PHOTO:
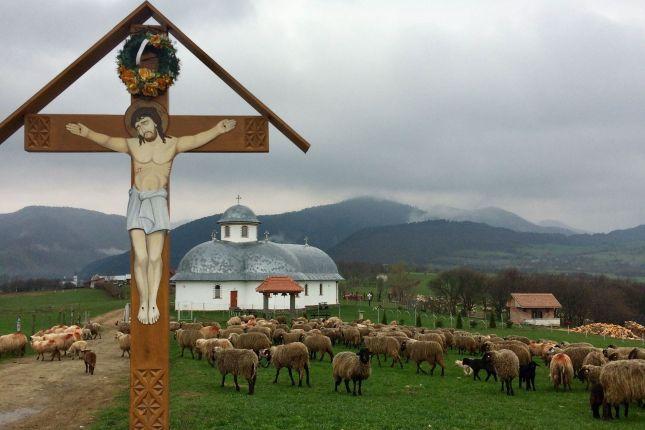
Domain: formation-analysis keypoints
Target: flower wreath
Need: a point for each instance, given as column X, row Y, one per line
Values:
column 142, row 80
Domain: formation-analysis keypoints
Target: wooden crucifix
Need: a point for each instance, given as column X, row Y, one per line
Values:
column 152, row 138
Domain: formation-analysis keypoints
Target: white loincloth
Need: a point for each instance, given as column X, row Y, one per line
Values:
column 148, row 210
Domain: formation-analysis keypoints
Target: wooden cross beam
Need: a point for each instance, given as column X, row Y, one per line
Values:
column 149, row 363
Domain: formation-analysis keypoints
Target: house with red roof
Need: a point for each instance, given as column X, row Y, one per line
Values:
column 534, row 309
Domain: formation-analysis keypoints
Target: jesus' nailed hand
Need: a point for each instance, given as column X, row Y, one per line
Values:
column 152, row 154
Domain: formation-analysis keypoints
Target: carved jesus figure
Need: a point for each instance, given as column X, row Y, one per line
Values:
column 152, row 153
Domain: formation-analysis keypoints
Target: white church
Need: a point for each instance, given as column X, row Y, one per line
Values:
column 238, row 271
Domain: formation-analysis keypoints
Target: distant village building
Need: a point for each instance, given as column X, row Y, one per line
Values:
column 533, row 309
column 241, row 272
column 108, row 278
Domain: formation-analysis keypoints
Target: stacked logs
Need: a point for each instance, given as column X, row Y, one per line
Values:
column 636, row 328
column 609, row 330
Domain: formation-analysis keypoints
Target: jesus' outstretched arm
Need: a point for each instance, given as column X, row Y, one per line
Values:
column 118, row 144
column 188, row 143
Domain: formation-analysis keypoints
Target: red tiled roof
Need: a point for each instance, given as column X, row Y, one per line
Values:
column 537, row 300
column 279, row 284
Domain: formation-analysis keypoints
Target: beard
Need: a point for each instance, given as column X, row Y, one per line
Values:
column 149, row 136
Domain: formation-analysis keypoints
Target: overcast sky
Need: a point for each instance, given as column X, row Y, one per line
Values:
column 534, row 107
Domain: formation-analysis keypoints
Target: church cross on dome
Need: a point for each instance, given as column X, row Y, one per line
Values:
column 238, row 198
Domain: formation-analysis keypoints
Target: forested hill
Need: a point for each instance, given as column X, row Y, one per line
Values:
column 444, row 244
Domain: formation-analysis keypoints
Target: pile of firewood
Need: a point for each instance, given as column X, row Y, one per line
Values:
column 636, row 328
column 609, row 330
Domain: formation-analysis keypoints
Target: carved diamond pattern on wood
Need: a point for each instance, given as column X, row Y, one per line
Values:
column 255, row 132
column 38, row 131
column 148, row 391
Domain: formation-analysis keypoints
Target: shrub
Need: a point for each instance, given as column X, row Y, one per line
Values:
column 491, row 321
column 509, row 324
column 418, row 321
column 460, row 322
column 438, row 323
column 473, row 323
column 384, row 317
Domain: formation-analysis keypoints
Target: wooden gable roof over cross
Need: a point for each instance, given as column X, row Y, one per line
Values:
column 106, row 44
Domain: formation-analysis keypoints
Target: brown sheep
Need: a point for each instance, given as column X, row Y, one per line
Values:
column 428, row 351
column 242, row 362
column 292, row 337
column 519, row 348
column 578, row 355
column 348, row 366
column 466, row 343
column 225, row 333
column 204, row 346
column 89, row 358
column 387, row 345
column 623, row 382
column 561, row 371
column 434, row 337
column 253, row 341
column 319, row 343
column 637, row 354
column 260, row 329
column 123, row 339
column 123, row 327
column 210, row 331
column 293, row 356
column 506, row 365
column 186, row 338
column 351, row 336
column 15, row 343
column 591, row 374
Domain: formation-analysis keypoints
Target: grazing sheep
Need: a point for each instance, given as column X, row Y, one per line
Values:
column 637, row 354
column 89, row 358
column 561, row 371
column 596, row 397
column 186, row 338
column 525, row 340
column 527, row 374
column 209, row 332
column 351, row 336
column 349, row 366
column 578, row 355
column 387, row 345
column 434, row 337
column 293, row 356
column 292, row 337
column 15, row 343
column 278, row 333
column 234, row 321
column 203, row 347
column 319, row 343
column 76, row 348
column 477, row 364
column 242, row 362
column 174, row 325
column 86, row 334
column 43, row 346
column 623, row 382
column 95, row 329
column 123, row 339
column 519, row 348
column 591, row 374
column 224, row 334
column 465, row 343
column 333, row 322
column 428, row 351
column 259, row 329
column 506, row 365
column 450, row 340
column 254, row 341
column 123, row 327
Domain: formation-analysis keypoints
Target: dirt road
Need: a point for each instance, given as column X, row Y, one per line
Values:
column 59, row 395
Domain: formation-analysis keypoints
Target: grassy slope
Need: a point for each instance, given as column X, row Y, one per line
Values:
column 394, row 398
column 48, row 304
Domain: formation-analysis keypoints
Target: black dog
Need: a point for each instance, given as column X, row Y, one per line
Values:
column 478, row 364
column 527, row 374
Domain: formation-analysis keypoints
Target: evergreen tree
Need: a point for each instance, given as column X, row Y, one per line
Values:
column 460, row 323
column 418, row 322
column 492, row 323
column 384, row 318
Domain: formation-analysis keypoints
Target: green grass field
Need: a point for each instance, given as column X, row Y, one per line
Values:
column 393, row 398
column 49, row 306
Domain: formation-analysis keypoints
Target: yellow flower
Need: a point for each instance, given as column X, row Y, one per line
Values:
column 155, row 40
column 150, row 89
column 145, row 73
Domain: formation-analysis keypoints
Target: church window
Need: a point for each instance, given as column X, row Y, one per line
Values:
column 217, row 292
column 306, row 290
column 320, row 290
column 245, row 231
column 227, row 231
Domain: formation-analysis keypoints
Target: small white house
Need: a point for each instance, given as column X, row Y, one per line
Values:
column 224, row 274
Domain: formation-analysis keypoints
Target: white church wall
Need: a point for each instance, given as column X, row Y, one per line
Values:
column 199, row 295
column 236, row 233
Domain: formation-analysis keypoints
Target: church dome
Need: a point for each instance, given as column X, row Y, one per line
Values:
column 239, row 214
column 255, row 261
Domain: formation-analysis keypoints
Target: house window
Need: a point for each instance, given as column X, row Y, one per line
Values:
column 245, row 231
column 536, row 314
column 320, row 290
column 227, row 231
column 306, row 290
column 217, row 292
